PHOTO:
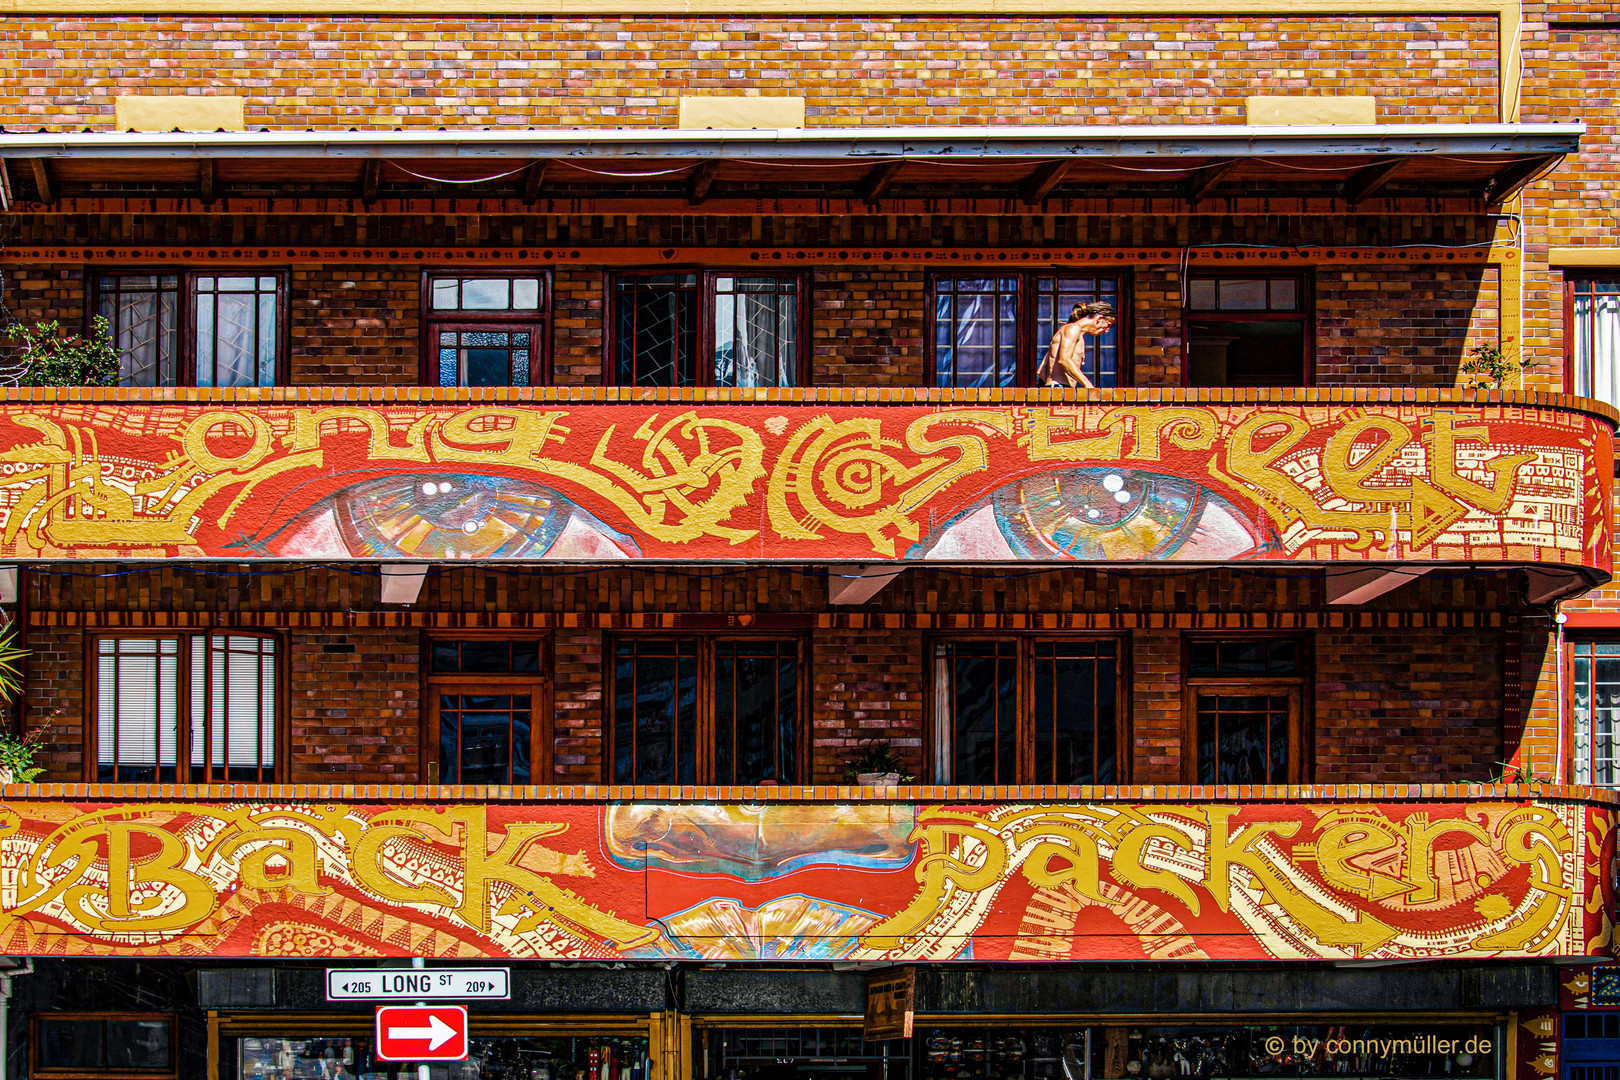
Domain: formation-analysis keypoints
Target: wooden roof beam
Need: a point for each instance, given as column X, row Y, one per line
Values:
column 876, row 182
column 1504, row 184
column 370, row 179
column 534, row 180
column 205, row 179
column 1204, row 181
column 42, row 180
column 697, row 188
column 1366, row 182
column 1044, row 179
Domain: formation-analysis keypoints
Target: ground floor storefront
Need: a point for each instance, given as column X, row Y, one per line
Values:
column 99, row 1019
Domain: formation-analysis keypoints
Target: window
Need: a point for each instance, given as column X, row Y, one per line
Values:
column 1595, row 678
column 994, row 331
column 489, row 330
column 707, row 711
column 1592, row 338
column 751, row 325
column 490, row 703
column 103, row 1045
column 189, row 708
column 1253, row 330
column 1026, row 710
column 1242, row 714
column 196, row 328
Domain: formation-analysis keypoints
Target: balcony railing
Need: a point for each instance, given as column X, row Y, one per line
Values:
column 810, row 874
column 596, row 476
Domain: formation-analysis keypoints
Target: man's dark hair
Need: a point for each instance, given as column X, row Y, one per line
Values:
column 1091, row 310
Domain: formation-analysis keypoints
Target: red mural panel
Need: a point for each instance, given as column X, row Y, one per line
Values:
column 782, row 481
column 803, row 881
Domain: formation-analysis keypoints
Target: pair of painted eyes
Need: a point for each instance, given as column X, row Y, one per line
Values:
column 1081, row 514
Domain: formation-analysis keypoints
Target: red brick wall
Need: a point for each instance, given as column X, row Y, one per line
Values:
column 868, row 686
column 1402, row 327
column 53, row 695
column 377, row 71
column 354, row 707
column 579, row 739
column 355, row 325
column 867, row 327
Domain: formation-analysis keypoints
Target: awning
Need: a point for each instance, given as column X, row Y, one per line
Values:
column 1028, row 165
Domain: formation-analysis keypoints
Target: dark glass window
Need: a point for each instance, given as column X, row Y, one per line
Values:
column 113, row 1045
column 656, row 329
column 486, row 657
column 1075, row 741
column 143, row 316
column 1244, row 656
column 975, row 331
column 1243, row 739
column 1247, row 331
column 655, row 699
column 487, row 693
column 977, row 684
column 756, row 711
column 1243, row 719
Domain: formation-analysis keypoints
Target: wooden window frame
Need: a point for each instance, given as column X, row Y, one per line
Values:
column 1573, row 279
column 1572, row 643
column 1306, row 315
column 38, row 1070
column 541, row 687
column 704, row 719
column 1301, row 734
column 1024, row 706
column 538, row 322
column 186, row 317
column 1028, row 347
column 803, row 357
column 92, row 699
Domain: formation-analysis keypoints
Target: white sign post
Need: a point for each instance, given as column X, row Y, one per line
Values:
column 418, row 984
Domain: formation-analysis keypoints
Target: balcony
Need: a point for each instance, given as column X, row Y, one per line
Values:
column 1167, row 873
column 1136, row 477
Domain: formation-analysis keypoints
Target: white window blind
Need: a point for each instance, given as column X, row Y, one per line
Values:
column 1596, row 337
column 228, row 709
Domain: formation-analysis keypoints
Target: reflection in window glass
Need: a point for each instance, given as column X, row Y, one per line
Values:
column 756, row 711
column 1055, row 297
column 485, row 294
column 656, row 317
column 89, row 1045
column 1244, row 656
column 484, row 738
column 976, row 698
column 236, row 331
column 975, row 331
column 485, row 357
column 1075, row 737
column 1242, row 739
column 1237, row 294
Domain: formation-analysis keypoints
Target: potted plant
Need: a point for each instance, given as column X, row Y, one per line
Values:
column 1489, row 367
column 875, row 765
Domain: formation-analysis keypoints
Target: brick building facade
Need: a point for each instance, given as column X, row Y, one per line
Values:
column 518, row 577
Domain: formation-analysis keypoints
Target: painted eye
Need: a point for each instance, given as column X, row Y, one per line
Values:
column 452, row 516
column 1097, row 514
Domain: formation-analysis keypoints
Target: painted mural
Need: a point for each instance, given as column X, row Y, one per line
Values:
column 805, row 881
column 544, row 481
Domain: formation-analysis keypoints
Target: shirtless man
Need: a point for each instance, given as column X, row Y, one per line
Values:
column 1064, row 362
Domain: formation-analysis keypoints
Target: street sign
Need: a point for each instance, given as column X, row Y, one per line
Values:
column 418, row 984
column 421, row 1032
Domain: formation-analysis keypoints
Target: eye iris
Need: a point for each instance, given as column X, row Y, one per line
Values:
column 468, row 518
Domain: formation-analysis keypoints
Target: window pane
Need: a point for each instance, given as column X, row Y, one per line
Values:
column 71, row 1044
column 1284, row 294
column 978, row 691
column 655, row 712
column 1244, row 656
column 1596, row 679
column 1055, row 299
column 1074, row 733
column 242, row 703
column 446, row 294
column 1238, row 294
column 484, row 657
column 137, row 705
column 756, row 712
column 1596, row 332
column 754, row 335
column 1201, row 294
column 1243, row 739
column 975, row 332
column 525, row 294
column 656, row 339
column 141, row 311
column 486, row 294
column 237, row 331
column 138, row 1044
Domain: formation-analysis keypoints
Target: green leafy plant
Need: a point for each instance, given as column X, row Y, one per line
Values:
column 1489, row 366
column 17, row 754
column 1518, row 774
column 48, row 357
column 875, row 757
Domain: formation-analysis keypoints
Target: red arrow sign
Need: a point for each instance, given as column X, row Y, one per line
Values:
column 421, row 1033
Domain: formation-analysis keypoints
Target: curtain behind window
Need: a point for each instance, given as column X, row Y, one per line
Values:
column 1596, row 333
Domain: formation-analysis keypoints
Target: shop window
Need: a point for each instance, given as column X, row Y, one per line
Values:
column 776, row 1053
column 1461, row 1051
column 186, row 708
column 1005, row 1052
column 1595, row 689
column 1592, row 336
column 994, row 331
column 489, row 701
column 1026, row 710
column 195, row 328
column 487, row 330
column 1249, row 330
column 707, row 710
column 581, row 1055
column 749, row 326
column 106, row 1045
column 1242, row 714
